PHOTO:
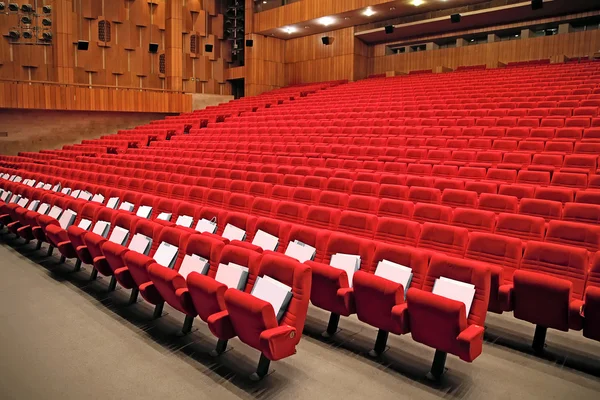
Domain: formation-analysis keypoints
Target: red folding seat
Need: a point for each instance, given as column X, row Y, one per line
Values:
column 578, row 122
column 559, row 147
column 444, row 238
column 574, row 234
column 585, row 111
column 503, row 256
column 505, row 145
column 419, row 194
column 364, row 204
column 591, row 309
column 496, row 132
column 529, row 122
column 487, row 159
column 585, row 213
column 173, row 288
column 457, row 332
column 471, row 173
column 587, row 148
column 457, row 144
column 560, row 112
column 569, row 133
column 394, row 167
column 330, row 287
column 379, row 300
column 305, row 195
column 365, row 188
column 444, row 184
column 459, row 198
column 241, row 221
column 482, row 187
column 293, row 180
column 474, row 220
column 531, row 146
column 315, row 182
column 518, row 191
column 419, row 169
column 292, row 212
column 273, row 227
column 263, row 207
column 498, row 203
column 333, row 199
column 446, row 171
column 420, row 181
column 399, row 231
column 432, row 213
column 563, row 195
column 323, row 217
column 569, row 180
column 388, row 179
column 357, row 223
column 480, row 144
column 343, row 174
column 472, row 131
column 548, row 288
column 580, row 163
column 503, row 122
column 588, row 196
column 521, row 226
column 534, row 177
column 217, row 198
column 280, row 192
column 546, row 162
column 260, row 189
column 395, row 208
column 503, row 175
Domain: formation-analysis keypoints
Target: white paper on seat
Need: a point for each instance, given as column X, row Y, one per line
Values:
column 12, row 178
column 232, row 275
column 39, row 185
column 119, row 235
column 67, row 219
column 300, row 251
column 164, row 216
column 5, row 195
column 5, row 176
column 25, row 182
column 98, row 198
column 102, row 227
column 55, row 212
column 17, row 179
column 140, row 243
column 75, row 193
column 57, row 187
column 126, row 206
column 274, row 292
column 348, row 262
column 85, row 224
column 15, row 198
column 205, row 225
column 232, row 232
column 43, row 209
column 455, row 290
column 31, row 182
column 48, row 186
column 23, row 201
column 66, row 190
column 33, row 206
column 265, row 241
column 185, row 220
column 85, row 195
column 395, row 272
column 193, row 263
column 143, row 211
column 113, row 202
column 166, row 254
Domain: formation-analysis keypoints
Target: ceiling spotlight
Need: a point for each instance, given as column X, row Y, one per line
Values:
column 307, row 27
column 289, row 30
column 2, row 6
column 47, row 9
column 517, row 35
column 27, row 8
column 26, row 20
column 368, row 12
column 47, row 22
column 264, row 1
column 346, row 18
column 417, row 3
column 13, row 7
column 326, row 21
column 47, row 36
column 27, row 35
column 392, row 8
column 14, row 34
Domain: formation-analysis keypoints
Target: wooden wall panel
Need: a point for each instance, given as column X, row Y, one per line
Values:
column 264, row 64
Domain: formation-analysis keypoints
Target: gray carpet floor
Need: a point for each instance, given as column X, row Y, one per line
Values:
column 64, row 337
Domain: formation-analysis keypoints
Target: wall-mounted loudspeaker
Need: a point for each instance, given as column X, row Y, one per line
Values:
column 249, row 43
column 455, row 18
column 153, row 48
column 389, row 29
column 83, row 45
column 326, row 40
column 208, row 48
column 537, row 4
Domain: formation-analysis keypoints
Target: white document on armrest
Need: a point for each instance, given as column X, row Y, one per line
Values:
column 185, row 220
column 143, row 211
column 126, row 206
column 232, row 275
column 98, row 198
column 43, row 209
column 15, row 198
column 39, row 185
column 67, row 219
column 113, row 202
column 193, row 263
column 300, row 251
column 85, row 195
column 48, row 186
column 23, row 201
column 164, row 216
column 75, row 193
column 265, row 241
column 101, row 228
column 395, row 272
column 33, row 206
column 348, row 262
column 12, row 178
column 166, row 254
column 5, row 195
column 57, row 187
column 66, row 190
column 31, row 182
column 205, row 225
column 274, row 292
column 455, row 290
column 232, row 232
column 55, row 212
column 119, row 235
column 18, row 179
column 140, row 244
column 85, row 224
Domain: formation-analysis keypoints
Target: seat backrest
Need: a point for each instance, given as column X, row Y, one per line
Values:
column 432, row 213
column 395, row 208
column 241, row 256
column 333, row 199
column 574, row 234
column 207, row 247
column 563, row 262
column 496, row 249
column 399, row 231
column 474, row 220
column 346, row 244
column 467, row 271
column 410, row 257
column 317, row 238
column 444, row 238
column 357, row 223
column 365, row 204
column 273, row 227
column 292, row 212
column 581, row 212
column 459, row 198
column 521, row 226
column 498, row 202
column 323, row 217
column 562, row 195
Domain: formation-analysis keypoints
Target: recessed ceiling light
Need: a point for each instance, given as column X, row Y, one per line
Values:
column 264, row 1
column 346, row 18
column 307, row 27
column 392, row 8
column 368, row 12
column 517, row 35
column 417, row 3
column 289, row 29
column 326, row 21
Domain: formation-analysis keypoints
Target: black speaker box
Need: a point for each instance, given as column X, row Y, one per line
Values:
column 326, row 40
column 83, row 45
column 249, row 43
column 153, row 47
column 537, row 4
column 208, row 48
column 455, row 18
column 389, row 29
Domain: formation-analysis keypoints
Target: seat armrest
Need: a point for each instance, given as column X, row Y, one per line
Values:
column 401, row 316
column 280, row 342
column 207, row 294
column 429, row 310
column 505, row 297
column 220, row 325
column 575, row 317
column 471, row 342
